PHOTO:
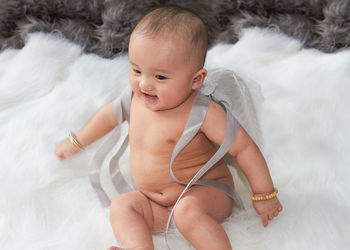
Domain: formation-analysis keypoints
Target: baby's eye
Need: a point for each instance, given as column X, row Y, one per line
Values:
column 159, row 77
column 137, row 71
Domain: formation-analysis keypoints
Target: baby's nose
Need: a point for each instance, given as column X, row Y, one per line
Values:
column 145, row 84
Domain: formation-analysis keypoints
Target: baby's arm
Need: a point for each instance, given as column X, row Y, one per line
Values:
column 253, row 165
column 102, row 122
column 249, row 159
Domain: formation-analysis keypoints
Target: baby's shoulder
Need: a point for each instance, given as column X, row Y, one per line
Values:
column 215, row 109
column 214, row 124
column 215, row 117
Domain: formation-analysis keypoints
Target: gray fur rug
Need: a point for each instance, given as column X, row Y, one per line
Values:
column 103, row 26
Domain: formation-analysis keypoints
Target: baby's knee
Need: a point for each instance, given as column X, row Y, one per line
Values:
column 187, row 212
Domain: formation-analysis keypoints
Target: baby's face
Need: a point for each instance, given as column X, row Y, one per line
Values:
column 161, row 71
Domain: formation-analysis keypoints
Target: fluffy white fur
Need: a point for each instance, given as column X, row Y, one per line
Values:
column 50, row 87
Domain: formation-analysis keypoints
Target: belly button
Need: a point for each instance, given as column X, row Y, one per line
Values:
column 170, row 141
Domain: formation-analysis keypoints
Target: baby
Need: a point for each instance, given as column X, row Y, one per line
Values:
column 167, row 52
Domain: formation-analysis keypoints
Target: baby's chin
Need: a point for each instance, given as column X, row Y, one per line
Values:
column 157, row 106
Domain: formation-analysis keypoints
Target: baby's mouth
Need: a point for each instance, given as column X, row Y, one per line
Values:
column 149, row 97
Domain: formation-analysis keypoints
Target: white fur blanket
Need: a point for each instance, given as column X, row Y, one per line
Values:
column 50, row 87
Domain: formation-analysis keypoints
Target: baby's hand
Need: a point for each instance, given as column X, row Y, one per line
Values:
column 267, row 209
column 65, row 149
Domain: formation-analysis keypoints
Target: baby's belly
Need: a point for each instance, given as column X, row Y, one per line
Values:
column 153, row 178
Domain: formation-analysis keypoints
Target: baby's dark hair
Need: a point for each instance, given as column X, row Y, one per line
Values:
column 180, row 22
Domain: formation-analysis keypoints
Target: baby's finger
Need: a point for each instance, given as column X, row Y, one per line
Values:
column 264, row 219
column 271, row 215
column 60, row 156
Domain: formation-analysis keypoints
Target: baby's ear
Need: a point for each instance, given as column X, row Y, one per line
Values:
column 199, row 78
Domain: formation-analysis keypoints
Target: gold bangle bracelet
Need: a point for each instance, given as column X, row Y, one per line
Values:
column 73, row 139
column 265, row 197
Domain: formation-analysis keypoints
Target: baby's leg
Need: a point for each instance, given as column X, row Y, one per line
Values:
column 198, row 216
column 133, row 221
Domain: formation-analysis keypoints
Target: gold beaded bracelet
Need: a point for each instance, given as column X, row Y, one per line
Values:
column 73, row 139
column 265, row 197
